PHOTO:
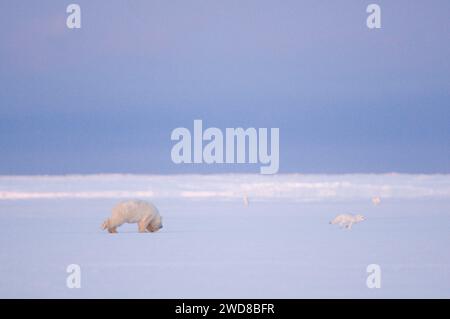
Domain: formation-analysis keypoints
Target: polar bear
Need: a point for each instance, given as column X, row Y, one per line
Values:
column 145, row 214
column 347, row 220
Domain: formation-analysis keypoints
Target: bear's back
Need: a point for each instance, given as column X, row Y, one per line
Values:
column 134, row 210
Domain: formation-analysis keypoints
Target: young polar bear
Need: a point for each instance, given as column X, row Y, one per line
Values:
column 347, row 220
column 145, row 214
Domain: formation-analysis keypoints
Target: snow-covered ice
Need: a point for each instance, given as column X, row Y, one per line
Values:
column 212, row 245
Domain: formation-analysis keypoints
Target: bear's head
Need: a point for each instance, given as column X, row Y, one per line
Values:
column 155, row 225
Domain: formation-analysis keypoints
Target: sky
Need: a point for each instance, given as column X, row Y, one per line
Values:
column 105, row 98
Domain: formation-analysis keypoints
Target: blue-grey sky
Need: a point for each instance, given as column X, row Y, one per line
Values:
column 106, row 97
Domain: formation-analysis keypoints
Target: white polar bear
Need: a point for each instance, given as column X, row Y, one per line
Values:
column 145, row 214
column 347, row 220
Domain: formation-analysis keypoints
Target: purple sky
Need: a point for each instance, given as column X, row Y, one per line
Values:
column 106, row 97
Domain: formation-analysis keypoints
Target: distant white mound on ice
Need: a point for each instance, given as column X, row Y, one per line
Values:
column 376, row 200
column 246, row 202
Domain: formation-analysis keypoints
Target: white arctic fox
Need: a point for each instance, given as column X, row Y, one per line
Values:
column 145, row 214
column 347, row 220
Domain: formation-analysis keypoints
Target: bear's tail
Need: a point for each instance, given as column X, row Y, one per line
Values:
column 105, row 224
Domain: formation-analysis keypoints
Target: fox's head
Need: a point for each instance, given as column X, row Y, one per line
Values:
column 360, row 218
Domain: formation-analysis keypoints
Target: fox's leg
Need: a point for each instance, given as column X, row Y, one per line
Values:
column 349, row 225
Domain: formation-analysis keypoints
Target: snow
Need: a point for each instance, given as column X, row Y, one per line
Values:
column 213, row 246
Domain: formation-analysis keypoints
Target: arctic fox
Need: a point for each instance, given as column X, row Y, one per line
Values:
column 347, row 220
column 145, row 214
